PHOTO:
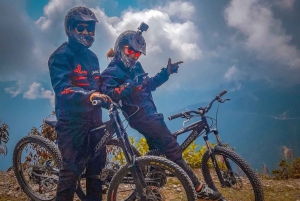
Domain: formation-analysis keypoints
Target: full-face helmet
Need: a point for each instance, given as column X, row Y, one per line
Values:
column 80, row 15
column 135, row 40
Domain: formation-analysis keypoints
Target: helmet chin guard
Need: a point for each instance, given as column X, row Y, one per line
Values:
column 85, row 41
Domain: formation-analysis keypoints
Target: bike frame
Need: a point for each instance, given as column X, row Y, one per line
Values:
column 116, row 123
column 128, row 152
column 122, row 136
column 197, row 129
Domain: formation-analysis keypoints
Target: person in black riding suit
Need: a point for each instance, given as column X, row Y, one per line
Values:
column 121, row 81
column 75, row 78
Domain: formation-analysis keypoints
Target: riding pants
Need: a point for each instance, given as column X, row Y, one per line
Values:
column 76, row 144
column 160, row 137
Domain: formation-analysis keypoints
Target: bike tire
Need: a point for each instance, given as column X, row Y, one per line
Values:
column 242, row 183
column 109, row 168
column 173, row 187
column 42, row 151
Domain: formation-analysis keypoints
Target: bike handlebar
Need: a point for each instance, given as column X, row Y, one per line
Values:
column 96, row 102
column 187, row 113
column 175, row 116
column 222, row 93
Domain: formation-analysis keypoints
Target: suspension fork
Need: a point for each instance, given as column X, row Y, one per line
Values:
column 219, row 141
column 215, row 131
column 228, row 166
column 134, row 168
column 211, row 151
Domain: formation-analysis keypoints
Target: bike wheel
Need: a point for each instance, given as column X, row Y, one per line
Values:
column 161, row 187
column 241, row 182
column 36, row 163
column 115, row 158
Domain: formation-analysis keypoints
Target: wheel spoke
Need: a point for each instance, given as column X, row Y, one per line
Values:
column 160, row 186
column 36, row 163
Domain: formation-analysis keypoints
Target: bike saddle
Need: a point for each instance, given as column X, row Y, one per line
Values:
column 51, row 120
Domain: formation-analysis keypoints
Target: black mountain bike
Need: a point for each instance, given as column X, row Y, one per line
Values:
column 222, row 168
column 36, row 162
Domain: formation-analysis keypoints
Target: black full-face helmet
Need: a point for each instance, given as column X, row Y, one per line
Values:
column 135, row 40
column 77, row 15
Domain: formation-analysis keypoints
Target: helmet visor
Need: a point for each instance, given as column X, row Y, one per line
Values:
column 129, row 50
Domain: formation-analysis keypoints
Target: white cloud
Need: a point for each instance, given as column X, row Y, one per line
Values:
column 36, row 91
column 182, row 10
column 285, row 4
column 264, row 34
column 234, row 76
column 231, row 74
column 288, row 3
column 52, row 11
column 14, row 90
column 165, row 37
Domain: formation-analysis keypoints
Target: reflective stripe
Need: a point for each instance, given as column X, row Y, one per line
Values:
column 83, row 84
column 81, row 77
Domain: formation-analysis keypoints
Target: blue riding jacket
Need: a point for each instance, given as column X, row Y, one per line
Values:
column 75, row 74
column 114, row 81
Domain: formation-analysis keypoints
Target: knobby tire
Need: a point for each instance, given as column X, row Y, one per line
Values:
column 177, row 187
column 238, row 189
column 23, row 174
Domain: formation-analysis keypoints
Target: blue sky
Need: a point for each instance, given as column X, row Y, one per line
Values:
column 241, row 46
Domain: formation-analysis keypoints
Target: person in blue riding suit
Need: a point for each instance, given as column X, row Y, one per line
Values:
column 121, row 81
column 75, row 78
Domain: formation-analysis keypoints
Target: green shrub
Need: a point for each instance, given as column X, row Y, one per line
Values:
column 288, row 169
column 192, row 155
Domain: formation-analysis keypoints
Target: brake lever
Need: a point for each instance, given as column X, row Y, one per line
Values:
column 185, row 121
column 223, row 101
column 188, row 117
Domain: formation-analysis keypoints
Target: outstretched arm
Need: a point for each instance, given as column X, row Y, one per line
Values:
column 161, row 77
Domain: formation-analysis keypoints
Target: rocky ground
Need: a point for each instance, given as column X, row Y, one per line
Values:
column 284, row 190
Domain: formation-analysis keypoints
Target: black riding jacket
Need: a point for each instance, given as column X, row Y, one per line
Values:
column 113, row 84
column 75, row 74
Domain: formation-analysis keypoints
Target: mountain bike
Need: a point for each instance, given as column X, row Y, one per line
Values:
column 222, row 168
column 36, row 163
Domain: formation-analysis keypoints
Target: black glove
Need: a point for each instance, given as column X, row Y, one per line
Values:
column 173, row 68
column 146, row 83
column 139, row 78
column 131, row 84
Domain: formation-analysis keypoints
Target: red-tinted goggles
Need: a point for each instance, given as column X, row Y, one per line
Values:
column 89, row 28
column 132, row 51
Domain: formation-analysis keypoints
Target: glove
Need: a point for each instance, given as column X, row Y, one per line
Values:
column 173, row 68
column 133, row 85
column 139, row 78
column 146, row 83
column 106, row 100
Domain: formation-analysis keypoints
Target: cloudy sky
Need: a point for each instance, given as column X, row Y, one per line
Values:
column 229, row 44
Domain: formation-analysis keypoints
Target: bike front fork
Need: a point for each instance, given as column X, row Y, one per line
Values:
column 213, row 157
column 139, row 180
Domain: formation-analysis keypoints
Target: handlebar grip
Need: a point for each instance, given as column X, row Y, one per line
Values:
column 96, row 102
column 175, row 116
column 222, row 93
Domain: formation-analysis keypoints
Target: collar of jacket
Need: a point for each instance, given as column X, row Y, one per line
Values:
column 121, row 65
column 76, row 48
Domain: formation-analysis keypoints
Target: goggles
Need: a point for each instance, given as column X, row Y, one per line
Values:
column 81, row 28
column 131, row 51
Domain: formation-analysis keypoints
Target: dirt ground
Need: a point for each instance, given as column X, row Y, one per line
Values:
column 284, row 190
